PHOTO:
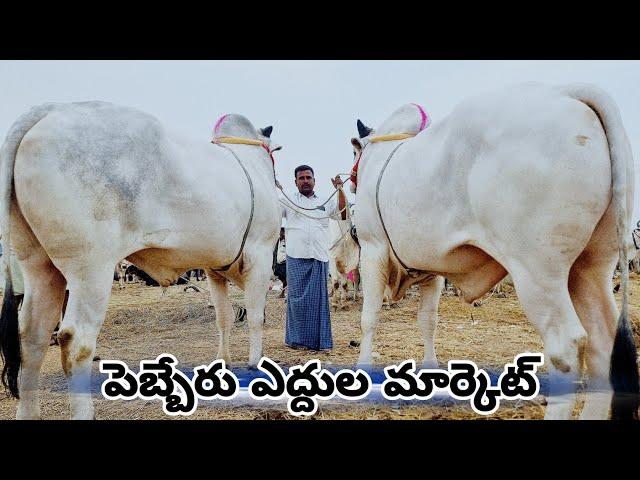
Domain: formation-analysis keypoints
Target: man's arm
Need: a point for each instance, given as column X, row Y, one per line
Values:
column 342, row 198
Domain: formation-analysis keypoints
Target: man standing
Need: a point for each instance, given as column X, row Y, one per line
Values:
column 307, row 233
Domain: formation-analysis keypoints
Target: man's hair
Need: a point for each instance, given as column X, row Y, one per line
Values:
column 302, row 168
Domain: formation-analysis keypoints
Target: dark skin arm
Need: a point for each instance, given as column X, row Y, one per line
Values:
column 342, row 198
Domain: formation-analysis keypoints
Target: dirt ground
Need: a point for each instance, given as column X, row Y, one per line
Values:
column 141, row 325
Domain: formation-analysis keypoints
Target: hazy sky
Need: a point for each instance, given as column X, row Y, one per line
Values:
column 313, row 105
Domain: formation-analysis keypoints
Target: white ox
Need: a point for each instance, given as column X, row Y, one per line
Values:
column 87, row 184
column 533, row 181
column 344, row 256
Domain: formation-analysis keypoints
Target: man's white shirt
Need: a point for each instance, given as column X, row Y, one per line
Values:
column 308, row 237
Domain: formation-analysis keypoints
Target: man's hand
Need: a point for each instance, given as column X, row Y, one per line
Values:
column 342, row 198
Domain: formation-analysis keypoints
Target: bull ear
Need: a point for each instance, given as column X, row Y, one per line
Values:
column 266, row 131
column 363, row 130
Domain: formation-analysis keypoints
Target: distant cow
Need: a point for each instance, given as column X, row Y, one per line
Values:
column 197, row 273
column 344, row 257
column 122, row 273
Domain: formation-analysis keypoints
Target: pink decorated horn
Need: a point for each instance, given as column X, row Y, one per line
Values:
column 218, row 123
column 425, row 119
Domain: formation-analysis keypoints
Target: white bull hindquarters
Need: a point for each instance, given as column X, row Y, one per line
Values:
column 95, row 183
column 532, row 181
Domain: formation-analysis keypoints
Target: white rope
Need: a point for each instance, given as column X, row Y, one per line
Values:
column 333, row 216
column 297, row 208
column 339, row 187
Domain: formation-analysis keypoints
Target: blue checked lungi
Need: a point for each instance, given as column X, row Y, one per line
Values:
column 308, row 320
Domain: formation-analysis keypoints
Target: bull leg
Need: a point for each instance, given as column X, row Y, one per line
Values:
column 256, row 300
column 334, row 284
column 121, row 278
column 219, row 290
column 356, row 284
column 430, row 292
column 344, row 295
column 386, row 298
column 44, row 295
column 374, row 279
column 591, row 290
column 211, row 276
column 88, row 300
column 335, row 293
column 546, row 301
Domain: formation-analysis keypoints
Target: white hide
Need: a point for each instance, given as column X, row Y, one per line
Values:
column 95, row 183
column 518, row 181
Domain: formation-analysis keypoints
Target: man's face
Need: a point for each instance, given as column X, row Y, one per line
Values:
column 305, row 182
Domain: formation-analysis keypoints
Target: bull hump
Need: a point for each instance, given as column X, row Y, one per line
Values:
column 108, row 148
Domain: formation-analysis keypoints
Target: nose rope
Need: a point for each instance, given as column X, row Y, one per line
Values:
column 390, row 137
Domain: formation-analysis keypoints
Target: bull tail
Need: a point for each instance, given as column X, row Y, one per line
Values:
column 624, row 364
column 9, row 328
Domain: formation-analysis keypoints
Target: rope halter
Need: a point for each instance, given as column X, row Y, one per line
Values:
column 245, row 141
column 381, row 138
column 424, row 123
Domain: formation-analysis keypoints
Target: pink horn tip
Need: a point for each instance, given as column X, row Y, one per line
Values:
column 218, row 123
column 423, row 115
